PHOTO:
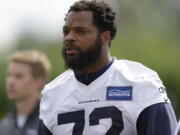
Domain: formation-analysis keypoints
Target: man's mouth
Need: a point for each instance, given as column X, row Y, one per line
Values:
column 71, row 51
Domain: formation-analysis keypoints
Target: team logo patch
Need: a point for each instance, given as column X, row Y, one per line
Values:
column 119, row 93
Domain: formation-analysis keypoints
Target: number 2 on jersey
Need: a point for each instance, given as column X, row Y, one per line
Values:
column 78, row 117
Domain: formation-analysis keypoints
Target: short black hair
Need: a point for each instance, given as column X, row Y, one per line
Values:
column 103, row 15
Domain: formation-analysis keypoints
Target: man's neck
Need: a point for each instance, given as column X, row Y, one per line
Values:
column 103, row 61
column 90, row 77
column 25, row 107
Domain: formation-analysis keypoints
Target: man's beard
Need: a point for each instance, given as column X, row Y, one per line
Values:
column 82, row 59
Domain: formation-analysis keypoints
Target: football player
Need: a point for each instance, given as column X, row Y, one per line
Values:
column 98, row 94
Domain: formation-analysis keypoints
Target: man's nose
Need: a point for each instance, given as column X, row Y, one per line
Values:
column 70, row 36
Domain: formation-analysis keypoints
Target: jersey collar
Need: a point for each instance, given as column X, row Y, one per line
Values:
column 90, row 77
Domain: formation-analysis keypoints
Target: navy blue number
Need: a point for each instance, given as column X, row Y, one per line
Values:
column 78, row 117
column 108, row 112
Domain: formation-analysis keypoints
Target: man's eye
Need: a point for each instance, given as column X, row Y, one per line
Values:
column 80, row 31
column 65, row 32
column 19, row 76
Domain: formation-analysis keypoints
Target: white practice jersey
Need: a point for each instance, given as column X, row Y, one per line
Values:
column 110, row 105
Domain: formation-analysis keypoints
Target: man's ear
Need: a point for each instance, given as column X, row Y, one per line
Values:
column 106, row 37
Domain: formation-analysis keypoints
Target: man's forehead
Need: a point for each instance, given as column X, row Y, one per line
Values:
column 84, row 13
column 79, row 18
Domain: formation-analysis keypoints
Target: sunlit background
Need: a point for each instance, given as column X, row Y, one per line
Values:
column 148, row 32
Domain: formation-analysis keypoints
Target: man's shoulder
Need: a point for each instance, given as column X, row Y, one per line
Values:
column 55, row 92
column 56, row 89
column 140, row 76
column 134, row 67
column 60, row 80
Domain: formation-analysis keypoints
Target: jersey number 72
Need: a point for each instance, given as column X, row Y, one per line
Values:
column 78, row 117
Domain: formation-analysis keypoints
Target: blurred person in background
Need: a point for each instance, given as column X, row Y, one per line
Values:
column 98, row 94
column 27, row 73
